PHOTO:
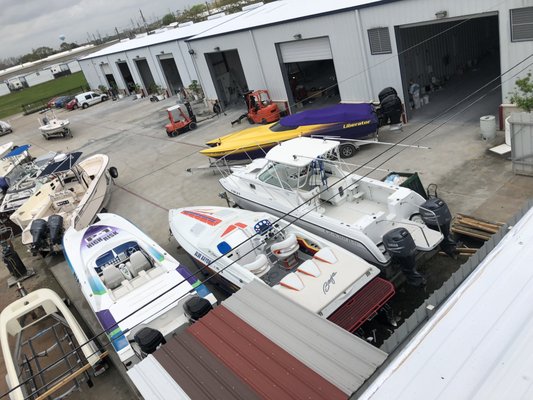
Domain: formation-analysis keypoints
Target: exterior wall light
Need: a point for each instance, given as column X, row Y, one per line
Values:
column 217, row 48
column 441, row 14
column 191, row 52
column 298, row 36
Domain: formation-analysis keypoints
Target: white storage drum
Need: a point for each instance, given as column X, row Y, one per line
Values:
column 487, row 124
column 507, row 131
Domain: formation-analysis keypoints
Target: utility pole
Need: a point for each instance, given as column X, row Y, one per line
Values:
column 144, row 21
column 118, row 34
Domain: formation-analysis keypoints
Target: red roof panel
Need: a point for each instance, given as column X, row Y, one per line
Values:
column 264, row 366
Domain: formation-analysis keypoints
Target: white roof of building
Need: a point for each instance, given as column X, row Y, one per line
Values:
column 182, row 32
column 299, row 152
column 479, row 344
column 281, row 11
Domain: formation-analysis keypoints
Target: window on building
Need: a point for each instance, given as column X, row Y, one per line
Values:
column 522, row 24
column 379, row 39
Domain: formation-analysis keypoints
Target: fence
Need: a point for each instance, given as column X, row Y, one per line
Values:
column 428, row 308
column 42, row 104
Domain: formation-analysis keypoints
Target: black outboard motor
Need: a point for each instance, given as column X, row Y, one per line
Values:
column 149, row 339
column 55, row 228
column 190, row 111
column 197, row 307
column 39, row 231
column 401, row 246
column 13, row 262
column 436, row 215
column 391, row 109
column 387, row 92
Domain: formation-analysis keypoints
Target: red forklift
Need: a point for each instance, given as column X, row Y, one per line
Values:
column 182, row 119
column 261, row 109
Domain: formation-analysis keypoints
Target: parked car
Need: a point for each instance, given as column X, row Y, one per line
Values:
column 51, row 102
column 72, row 104
column 89, row 98
column 62, row 101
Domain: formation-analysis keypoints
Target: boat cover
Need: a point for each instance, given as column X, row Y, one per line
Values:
column 63, row 165
column 340, row 113
column 18, row 151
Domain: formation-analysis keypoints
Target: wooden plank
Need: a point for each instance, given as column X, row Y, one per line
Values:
column 480, row 219
column 67, row 379
column 470, row 233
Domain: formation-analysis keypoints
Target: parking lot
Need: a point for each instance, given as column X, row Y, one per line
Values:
column 153, row 176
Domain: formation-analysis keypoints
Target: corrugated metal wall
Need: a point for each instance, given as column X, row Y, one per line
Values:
column 522, row 143
column 4, row 89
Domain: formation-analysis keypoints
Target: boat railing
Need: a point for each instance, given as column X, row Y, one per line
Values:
column 224, row 163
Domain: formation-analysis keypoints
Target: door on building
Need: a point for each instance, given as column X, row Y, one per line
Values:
column 146, row 74
column 228, row 76
column 126, row 76
column 110, row 78
column 446, row 61
column 309, row 72
column 170, row 71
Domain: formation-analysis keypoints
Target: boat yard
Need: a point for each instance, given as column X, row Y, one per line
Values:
column 154, row 179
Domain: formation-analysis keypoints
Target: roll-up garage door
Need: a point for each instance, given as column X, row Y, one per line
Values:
column 306, row 50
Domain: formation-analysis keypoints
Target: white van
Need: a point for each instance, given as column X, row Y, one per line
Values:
column 89, row 98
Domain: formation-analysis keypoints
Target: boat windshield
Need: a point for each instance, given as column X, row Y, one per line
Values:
column 277, row 127
column 116, row 255
column 285, row 176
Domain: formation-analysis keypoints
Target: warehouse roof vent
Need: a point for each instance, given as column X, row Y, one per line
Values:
column 184, row 24
column 379, row 39
column 522, row 24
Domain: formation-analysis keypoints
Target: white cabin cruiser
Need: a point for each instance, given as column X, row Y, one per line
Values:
column 240, row 246
column 303, row 180
column 135, row 288
column 73, row 196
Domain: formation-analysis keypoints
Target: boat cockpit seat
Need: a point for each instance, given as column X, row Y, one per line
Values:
column 286, row 247
column 112, row 277
column 259, row 266
column 138, row 262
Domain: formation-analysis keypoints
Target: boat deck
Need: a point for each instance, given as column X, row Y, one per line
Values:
column 352, row 211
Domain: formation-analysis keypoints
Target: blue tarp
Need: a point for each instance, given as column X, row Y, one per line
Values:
column 18, row 151
column 340, row 113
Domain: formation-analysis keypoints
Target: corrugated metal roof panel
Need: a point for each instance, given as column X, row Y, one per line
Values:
column 478, row 344
column 154, row 382
column 340, row 357
column 267, row 368
column 199, row 373
column 163, row 37
column 282, row 11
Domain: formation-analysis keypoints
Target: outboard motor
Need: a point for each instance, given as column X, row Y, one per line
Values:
column 55, row 228
column 387, row 92
column 436, row 215
column 197, row 307
column 38, row 230
column 149, row 340
column 391, row 109
column 401, row 246
column 190, row 111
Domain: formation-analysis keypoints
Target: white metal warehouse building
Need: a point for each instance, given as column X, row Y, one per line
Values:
column 300, row 48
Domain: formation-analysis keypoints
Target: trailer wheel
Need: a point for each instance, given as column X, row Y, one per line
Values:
column 192, row 126
column 347, row 150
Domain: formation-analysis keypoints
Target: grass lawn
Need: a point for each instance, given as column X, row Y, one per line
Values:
column 12, row 103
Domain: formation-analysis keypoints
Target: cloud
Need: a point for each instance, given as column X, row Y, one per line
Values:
column 30, row 24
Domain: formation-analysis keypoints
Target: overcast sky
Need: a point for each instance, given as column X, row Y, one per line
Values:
column 28, row 24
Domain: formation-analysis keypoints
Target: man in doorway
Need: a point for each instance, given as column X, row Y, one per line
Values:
column 414, row 94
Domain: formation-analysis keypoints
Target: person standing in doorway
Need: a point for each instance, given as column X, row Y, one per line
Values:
column 414, row 94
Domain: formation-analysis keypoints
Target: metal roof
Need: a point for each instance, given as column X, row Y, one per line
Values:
column 167, row 36
column 478, row 344
column 340, row 357
column 282, row 11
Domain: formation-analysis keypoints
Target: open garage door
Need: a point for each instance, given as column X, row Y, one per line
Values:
column 111, row 81
column 126, row 76
column 447, row 60
column 170, row 70
column 309, row 72
column 228, row 76
column 146, row 74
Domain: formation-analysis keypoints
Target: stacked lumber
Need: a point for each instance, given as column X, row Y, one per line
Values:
column 474, row 227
